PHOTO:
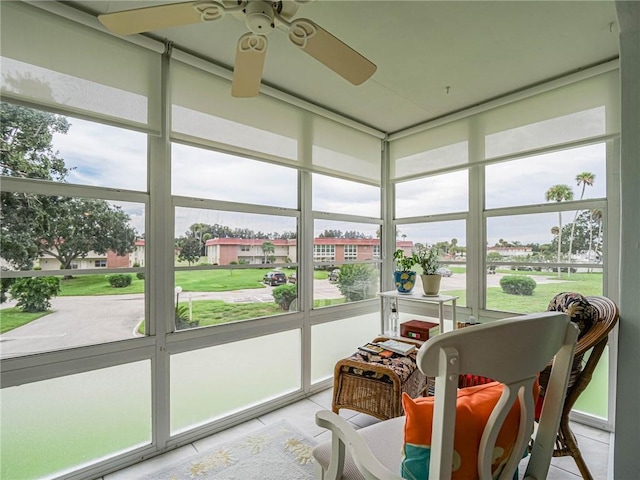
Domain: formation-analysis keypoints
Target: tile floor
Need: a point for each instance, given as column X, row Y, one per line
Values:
column 594, row 443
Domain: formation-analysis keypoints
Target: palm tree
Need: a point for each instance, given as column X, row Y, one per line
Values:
column 596, row 215
column 584, row 179
column 267, row 248
column 559, row 193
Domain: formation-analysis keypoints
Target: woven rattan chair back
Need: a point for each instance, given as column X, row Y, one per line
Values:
column 595, row 340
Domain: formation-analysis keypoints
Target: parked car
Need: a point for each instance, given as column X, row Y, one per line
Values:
column 445, row 272
column 333, row 276
column 293, row 278
column 274, row 278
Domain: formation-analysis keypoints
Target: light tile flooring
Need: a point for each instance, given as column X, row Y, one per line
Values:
column 594, row 443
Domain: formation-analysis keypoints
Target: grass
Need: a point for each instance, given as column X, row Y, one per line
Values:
column 11, row 318
column 585, row 283
column 189, row 281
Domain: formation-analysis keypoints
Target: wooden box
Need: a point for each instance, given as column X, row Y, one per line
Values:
column 418, row 329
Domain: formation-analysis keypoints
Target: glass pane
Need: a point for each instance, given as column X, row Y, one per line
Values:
column 234, row 237
column 450, row 240
column 335, row 340
column 236, row 381
column 343, row 196
column 51, row 233
column 87, row 310
column 211, row 297
column 533, row 239
column 58, row 425
column 206, row 174
column 530, row 244
column 338, row 242
column 445, row 193
column 39, row 144
column 526, row 181
column 594, row 400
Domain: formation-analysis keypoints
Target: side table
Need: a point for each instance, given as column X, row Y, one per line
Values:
column 394, row 296
column 370, row 384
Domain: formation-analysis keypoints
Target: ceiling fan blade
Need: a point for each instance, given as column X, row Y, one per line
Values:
column 148, row 19
column 247, row 72
column 330, row 51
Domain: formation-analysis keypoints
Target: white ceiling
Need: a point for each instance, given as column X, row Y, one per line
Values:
column 477, row 50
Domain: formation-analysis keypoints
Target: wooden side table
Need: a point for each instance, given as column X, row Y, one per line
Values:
column 370, row 384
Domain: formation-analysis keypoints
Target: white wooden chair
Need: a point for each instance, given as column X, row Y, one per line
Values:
column 511, row 351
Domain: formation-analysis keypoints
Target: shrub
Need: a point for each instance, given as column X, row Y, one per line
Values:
column 33, row 294
column 140, row 275
column 358, row 282
column 5, row 285
column 284, row 295
column 518, row 284
column 119, row 280
column 182, row 318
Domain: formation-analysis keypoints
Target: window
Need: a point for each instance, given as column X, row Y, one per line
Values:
column 449, row 238
column 91, row 227
column 376, row 251
column 324, row 252
column 444, row 193
column 239, row 286
column 526, row 181
column 350, row 252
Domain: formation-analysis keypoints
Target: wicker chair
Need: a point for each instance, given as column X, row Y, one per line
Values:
column 595, row 340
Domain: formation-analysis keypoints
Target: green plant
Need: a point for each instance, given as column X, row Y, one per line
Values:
column 518, row 284
column 182, row 318
column 284, row 295
column 119, row 280
column 33, row 294
column 428, row 260
column 358, row 282
column 404, row 263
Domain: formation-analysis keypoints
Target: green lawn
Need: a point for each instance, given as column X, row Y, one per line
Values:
column 191, row 281
column 11, row 318
column 584, row 283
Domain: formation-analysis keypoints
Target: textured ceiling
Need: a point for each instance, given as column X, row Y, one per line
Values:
column 433, row 58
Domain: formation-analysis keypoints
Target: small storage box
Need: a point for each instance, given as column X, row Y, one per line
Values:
column 418, row 329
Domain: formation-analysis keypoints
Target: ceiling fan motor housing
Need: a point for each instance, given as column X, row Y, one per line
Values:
column 259, row 16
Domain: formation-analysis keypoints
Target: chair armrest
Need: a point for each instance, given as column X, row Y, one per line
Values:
column 343, row 434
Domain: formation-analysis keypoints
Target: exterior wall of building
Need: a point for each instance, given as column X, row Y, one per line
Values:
column 116, row 261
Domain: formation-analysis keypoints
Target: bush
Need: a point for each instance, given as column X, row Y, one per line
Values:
column 518, row 284
column 358, row 282
column 284, row 295
column 119, row 280
column 140, row 275
column 182, row 318
column 33, row 294
column 5, row 285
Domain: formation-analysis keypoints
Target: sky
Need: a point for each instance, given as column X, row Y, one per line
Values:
column 112, row 157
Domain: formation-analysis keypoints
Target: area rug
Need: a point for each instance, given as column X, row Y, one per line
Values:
column 276, row 452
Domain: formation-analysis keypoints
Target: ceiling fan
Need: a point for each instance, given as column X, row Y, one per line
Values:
column 261, row 17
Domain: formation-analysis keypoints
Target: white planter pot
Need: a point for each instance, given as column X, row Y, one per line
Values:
column 431, row 284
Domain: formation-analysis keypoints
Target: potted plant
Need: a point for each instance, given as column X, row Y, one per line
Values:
column 428, row 259
column 404, row 275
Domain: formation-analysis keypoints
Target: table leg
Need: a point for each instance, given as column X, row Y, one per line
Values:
column 455, row 317
column 441, row 315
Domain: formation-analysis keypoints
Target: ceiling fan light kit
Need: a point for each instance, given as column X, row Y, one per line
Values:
column 261, row 17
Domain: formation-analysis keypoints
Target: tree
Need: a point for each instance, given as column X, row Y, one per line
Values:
column 584, row 179
column 190, row 249
column 358, row 281
column 559, row 193
column 33, row 225
column 268, row 248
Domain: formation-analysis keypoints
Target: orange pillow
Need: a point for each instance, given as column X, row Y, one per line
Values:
column 473, row 409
